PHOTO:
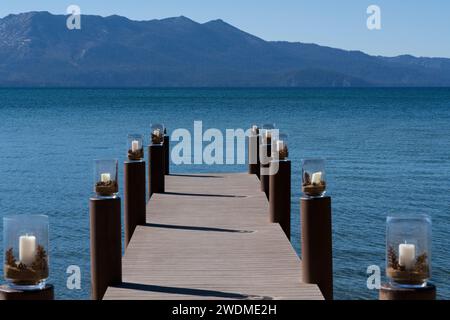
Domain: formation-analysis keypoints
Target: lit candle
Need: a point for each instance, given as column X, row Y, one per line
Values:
column 280, row 145
column 134, row 145
column 407, row 255
column 27, row 249
column 316, row 178
column 105, row 177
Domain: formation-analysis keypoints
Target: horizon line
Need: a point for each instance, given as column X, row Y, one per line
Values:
column 214, row 88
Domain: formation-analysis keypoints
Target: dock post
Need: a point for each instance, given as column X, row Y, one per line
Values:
column 317, row 251
column 106, row 244
column 253, row 154
column 7, row 293
column 265, row 151
column 156, row 178
column 166, row 154
column 258, row 161
column 134, row 197
column 390, row 292
column 280, row 196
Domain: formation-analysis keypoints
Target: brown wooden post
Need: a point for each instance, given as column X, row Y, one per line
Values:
column 156, row 183
column 253, row 154
column 280, row 195
column 46, row 293
column 317, row 251
column 265, row 153
column 149, row 188
column 134, row 197
column 390, row 292
column 166, row 154
column 258, row 161
column 106, row 244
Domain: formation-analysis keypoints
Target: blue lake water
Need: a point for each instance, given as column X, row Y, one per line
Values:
column 387, row 151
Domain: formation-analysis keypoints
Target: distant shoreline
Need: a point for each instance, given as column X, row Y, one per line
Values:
column 39, row 50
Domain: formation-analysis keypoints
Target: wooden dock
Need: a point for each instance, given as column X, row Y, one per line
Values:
column 209, row 237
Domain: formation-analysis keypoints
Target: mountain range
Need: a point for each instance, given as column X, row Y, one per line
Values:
column 37, row 49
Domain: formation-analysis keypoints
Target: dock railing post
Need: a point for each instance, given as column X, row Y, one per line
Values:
column 106, row 244
column 280, row 196
column 134, row 197
column 317, row 252
column 156, row 179
column 253, row 153
column 265, row 150
column 166, row 154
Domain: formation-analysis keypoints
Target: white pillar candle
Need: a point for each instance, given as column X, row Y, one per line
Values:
column 134, row 145
column 280, row 145
column 407, row 255
column 105, row 177
column 27, row 249
column 316, row 177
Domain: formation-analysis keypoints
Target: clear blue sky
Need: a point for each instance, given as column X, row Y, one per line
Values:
column 416, row 27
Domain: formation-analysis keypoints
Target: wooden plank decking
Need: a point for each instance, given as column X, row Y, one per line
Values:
column 208, row 237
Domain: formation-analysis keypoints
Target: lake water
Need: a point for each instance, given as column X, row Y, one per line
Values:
column 387, row 151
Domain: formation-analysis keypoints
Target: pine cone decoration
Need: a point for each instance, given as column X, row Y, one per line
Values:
column 10, row 260
column 421, row 263
column 306, row 179
column 40, row 262
column 392, row 258
column 22, row 266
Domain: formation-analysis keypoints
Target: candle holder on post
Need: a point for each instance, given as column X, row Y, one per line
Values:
column 265, row 152
column 156, row 176
column 135, row 147
column 26, row 259
column 134, row 187
column 316, row 227
column 166, row 152
column 408, row 259
column 253, row 151
column 313, row 177
column 280, row 186
column 105, row 178
column 157, row 133
column 105, row 229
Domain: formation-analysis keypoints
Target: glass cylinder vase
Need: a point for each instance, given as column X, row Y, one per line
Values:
column 266, row 133
column 313, row 177
column 135, row 147
column 106, row 178
column 157, row 133
column 280, row 147
column 254, row 131
column 26, row 259
column 408, row 250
